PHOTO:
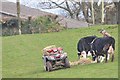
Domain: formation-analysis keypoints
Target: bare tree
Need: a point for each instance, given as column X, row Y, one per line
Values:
column 91, row 10
column 71, row 6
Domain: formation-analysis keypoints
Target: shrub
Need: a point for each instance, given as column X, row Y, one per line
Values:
column 39, row 25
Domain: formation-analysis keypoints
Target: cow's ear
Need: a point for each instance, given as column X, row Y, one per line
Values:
column 79, row 53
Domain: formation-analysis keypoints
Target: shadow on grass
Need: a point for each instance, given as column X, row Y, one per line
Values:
column 55, row 69
column 38, row 72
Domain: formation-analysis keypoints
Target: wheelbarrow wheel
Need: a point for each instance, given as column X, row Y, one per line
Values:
column 67, row 64
column 49, row 66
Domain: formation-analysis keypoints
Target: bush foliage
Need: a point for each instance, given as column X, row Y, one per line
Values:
column 38, row 25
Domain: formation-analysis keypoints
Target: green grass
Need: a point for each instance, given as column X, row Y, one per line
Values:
column 22, row 55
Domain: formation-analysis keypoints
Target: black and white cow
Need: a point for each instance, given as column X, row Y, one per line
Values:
column 102, row 46
column 84, row 45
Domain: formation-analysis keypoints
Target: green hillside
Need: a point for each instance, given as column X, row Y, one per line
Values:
column 22, row 55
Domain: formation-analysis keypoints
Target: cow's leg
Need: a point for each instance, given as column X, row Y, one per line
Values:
column 102, row 58
column 112, row 57
column 94, row 58
column 98, row 59
column 111, row 51
column 106, row 57
column 93, row 55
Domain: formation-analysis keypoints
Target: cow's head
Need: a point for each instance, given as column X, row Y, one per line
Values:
column 83, row 54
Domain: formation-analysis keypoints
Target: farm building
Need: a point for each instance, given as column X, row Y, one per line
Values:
column 9, row 10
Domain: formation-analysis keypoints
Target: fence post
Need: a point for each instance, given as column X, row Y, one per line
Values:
column 18, row 16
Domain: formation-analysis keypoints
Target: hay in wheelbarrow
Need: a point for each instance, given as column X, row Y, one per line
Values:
column 46, row 49
column 81, row 61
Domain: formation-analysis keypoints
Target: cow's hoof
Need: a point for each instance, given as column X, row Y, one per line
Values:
column 98, row 61
column 112, row 61
column 106, row 62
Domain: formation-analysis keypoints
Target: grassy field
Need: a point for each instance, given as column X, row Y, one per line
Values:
column 22, row 55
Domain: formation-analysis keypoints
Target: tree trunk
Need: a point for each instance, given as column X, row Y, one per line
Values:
column 102, row 19
column 85, row 11
column 85, row 15
column 77, row 16
column 71, row 15
column 93, row 19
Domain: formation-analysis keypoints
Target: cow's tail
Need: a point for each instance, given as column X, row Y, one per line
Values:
column 113, row 46
column 113, row 43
